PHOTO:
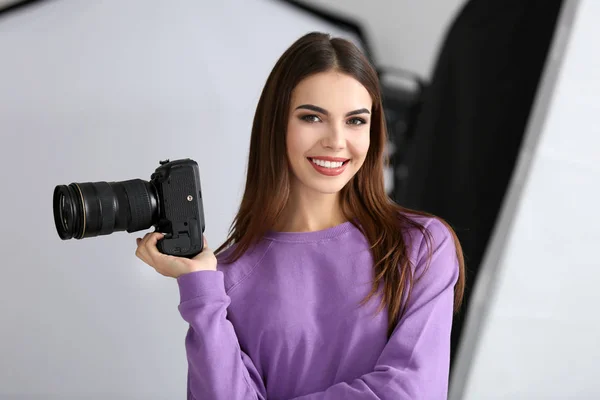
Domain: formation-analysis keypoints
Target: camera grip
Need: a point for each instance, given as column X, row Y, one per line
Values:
column 185, row 240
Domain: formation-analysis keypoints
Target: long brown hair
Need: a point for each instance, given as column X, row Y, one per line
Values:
column 363, row 199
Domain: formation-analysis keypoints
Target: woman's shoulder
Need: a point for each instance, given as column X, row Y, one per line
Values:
column 436, row 256
column 418, row 225
column 236, row 269
column 426, row 235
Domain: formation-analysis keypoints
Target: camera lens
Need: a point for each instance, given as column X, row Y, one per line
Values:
column 100, row 208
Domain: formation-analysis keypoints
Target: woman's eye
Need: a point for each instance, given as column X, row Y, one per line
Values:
column 310, row 118
column 356, row 121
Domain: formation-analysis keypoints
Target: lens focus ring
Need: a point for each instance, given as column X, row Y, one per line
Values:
column 108, row 207
column 139, row 203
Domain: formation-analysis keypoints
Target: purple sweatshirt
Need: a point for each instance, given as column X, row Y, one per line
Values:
column 284, row 322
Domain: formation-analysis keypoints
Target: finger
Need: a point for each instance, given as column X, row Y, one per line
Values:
column 153, row 238
column 145, row 238
column 144, row 241
column 150, row 245
column 140, row 252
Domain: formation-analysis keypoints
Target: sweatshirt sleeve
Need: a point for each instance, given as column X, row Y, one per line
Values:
column 415, row 362
column 217, row 367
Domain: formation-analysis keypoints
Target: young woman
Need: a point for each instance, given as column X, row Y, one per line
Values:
column 325, row 289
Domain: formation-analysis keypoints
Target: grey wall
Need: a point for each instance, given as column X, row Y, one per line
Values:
column 534, row 324
column 93, row 91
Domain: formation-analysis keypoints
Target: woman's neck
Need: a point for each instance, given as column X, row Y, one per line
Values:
column 310, row 212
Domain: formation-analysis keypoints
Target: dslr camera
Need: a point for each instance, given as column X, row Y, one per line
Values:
column 171, row 201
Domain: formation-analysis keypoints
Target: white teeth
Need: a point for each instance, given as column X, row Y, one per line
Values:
column 327, row 164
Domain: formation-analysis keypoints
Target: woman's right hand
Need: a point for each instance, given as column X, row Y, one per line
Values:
column 172, row 266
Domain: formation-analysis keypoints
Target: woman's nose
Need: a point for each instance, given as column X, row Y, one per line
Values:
column 335, row 139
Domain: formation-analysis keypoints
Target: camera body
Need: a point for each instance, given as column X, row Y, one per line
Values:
column 180, row 208
column 171, row 201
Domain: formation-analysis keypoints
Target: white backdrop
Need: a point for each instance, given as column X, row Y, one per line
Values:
column 101, row 91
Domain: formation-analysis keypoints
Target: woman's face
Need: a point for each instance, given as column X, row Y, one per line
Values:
column 328, row 131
